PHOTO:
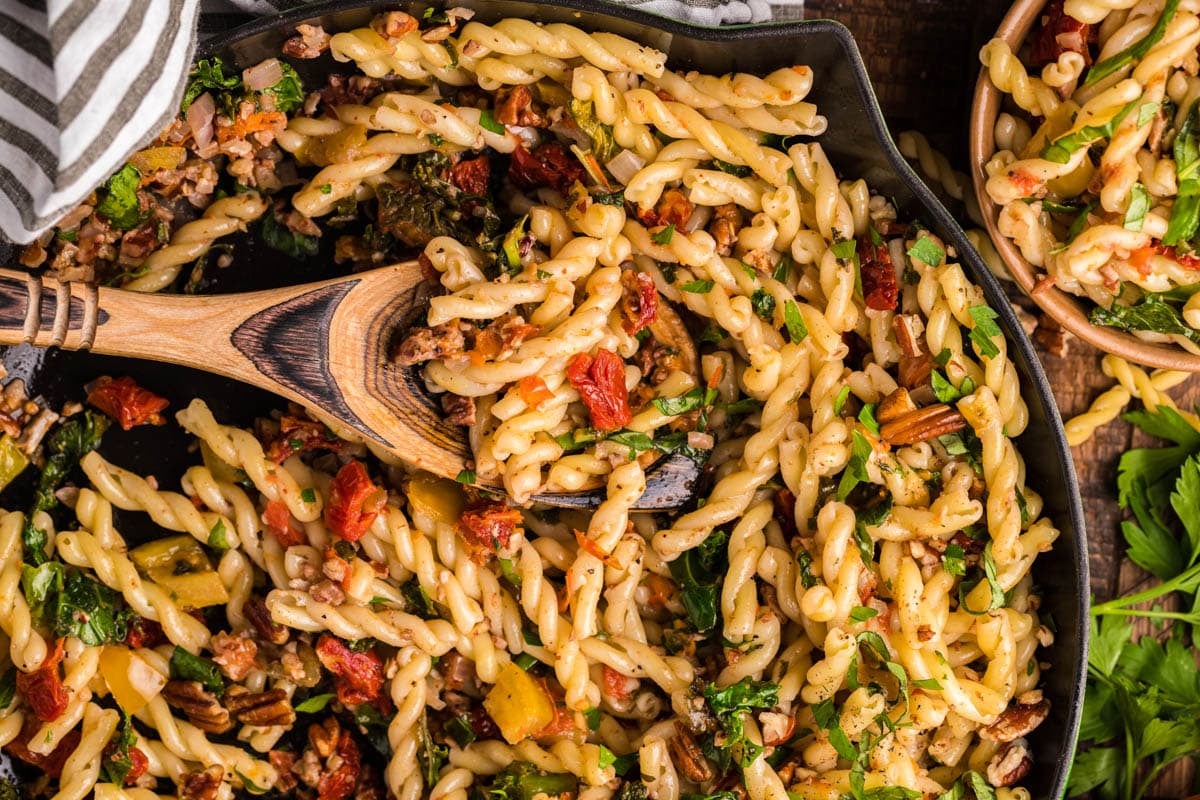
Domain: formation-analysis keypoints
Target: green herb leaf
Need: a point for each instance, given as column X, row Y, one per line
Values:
column 839, row 402
column 844, row 250
column 1135, row 51
column 783, row 268
column 954, row 560
column 856, row 468
column 698, row 286
column 862, row 614
column 1139, row 205
column 1185, row 213
column 985, row 330
column 794, row 320
column 315, row 703
column 927, row 251
column 277, row 236
column 217, row 537
column 208, row 74
column 468, row 476
column 1061, row 149
column 867, row 417
column 119, row 201
column 288, row 91
column 692, row 400
column 309, row 495
column 764, row 304
column 1148, row 314
column 733, row 169
column 664, row 236
column 187, row 667
column 488, row 122
column 8, row 687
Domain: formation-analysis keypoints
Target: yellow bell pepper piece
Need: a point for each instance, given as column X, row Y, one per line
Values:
column 518, row 704
column 12, row 461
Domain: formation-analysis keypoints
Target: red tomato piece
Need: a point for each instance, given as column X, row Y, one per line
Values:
column 880, row 291
column 639, row 301
column 354, row 502
column 600, row 382
column 127, row 403
column 1057, row 33
column 549, row 164
column 278, row 520
column 471, row 175
column 339, row 783
column 358, row 677
column 143, row 632
column 486, row 526
column 616, row 685
column 43, row 688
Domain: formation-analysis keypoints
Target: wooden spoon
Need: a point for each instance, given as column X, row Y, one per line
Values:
column 323, row 345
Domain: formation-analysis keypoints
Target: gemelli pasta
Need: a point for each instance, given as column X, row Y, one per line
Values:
column 633, row 263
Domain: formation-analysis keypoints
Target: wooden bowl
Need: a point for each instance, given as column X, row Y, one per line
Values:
column 1068, row 310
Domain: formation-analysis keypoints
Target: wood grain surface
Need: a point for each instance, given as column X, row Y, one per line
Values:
column 922, row 59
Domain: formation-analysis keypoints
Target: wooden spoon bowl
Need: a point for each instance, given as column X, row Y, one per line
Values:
column 1066, row 309
column 323, row 345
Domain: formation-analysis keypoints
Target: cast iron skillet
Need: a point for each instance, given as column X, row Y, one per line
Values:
column 859, row 144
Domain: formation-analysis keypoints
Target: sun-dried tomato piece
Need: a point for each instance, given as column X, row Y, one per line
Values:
column 358, row 677
column 51, row 764
column 616, row 685
column 1057, row 33
column 127, row 403
column 533, row 390
column 43, row 688
column 471, row 175
column 278, row 520
column 299, row 435
column 639, row 301
column 486, row 526
column 785, row 512
column 138, row 762
column 339, row 783
column 142, row 632
column 880, row 290
column 549, row 164
column 600, row 382
column 354, row 502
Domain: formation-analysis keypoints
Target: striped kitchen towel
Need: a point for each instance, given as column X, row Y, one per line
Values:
column 85, row 83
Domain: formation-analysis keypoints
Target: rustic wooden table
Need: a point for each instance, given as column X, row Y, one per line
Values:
column 922, row 57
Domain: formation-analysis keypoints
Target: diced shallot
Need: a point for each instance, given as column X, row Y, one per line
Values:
column 699, row 218
column 263, row 74
column 625, row 165
column 200, row 119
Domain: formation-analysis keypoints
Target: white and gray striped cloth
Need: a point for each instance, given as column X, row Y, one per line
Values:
column 84, row 83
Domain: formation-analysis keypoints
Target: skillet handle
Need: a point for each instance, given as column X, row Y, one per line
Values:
column 43, row 311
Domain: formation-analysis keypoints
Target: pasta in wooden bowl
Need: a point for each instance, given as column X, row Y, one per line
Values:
column 1083, row 171
column 848, row 608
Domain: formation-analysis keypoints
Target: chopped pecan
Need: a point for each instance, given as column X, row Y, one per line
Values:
column 516, row 107
column 914, row 371
column 259, row 615
column 424, row 344
column 922, row 424
column 895, row 405
column 259, row 708
column 283, row 761
column 200, row 705
column 310, row 42
column 234, row 655
column 1053, row 338
column 202, row 785
column 687, row 756
column 1010, row 764
column 394, row 24
column 1017, row 720
column 908, row 329
column 724, row 226
column 323, row 736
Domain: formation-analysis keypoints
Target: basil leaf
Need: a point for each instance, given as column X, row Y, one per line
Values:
column 664, row 236
column 1148, row 314
column 927, row 251
column 1185, row 214
column 1061, row 149
column 794, row 320
column 488, row 122
column 1135, row 51
column 315, row 703
column 1139, row 204
column 698, row 286
column 845, row 249
column 187, row 667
